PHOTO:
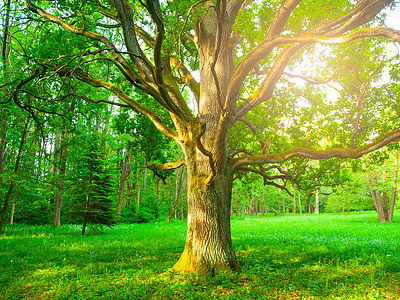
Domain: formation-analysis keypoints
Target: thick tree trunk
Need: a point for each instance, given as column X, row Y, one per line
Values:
column 208, row 247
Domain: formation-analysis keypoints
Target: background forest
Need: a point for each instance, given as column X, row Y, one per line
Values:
column 75, row 155
column 55, row 166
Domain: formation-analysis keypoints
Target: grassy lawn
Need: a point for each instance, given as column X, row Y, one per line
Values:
column 290, row 257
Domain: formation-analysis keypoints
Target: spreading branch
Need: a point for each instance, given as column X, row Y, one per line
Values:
column 134, row 105
column 146, row 80
column 316, row 154
column 166, row 166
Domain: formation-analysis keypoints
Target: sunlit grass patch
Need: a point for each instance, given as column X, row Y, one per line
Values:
column 289, row 257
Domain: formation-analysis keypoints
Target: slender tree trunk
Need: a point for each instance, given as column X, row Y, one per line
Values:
column 171, row 191
column 122, row 181
column 316, row 211
column 61, row 174
column 13, row 183
column 87, row 203
column 231, row 213
column 300, row 205
column 39, row 157
column 12, row 212
column 178, row 191
column 263, row 202
column 236, row 203
column 157, row 198
column 379, row 206
column 181, row 207
column 242, row 204
column 385, row 205
column 385, row 198
column 394, row 189
column 376, row 196
column 129, row 190
column 138, row 192
column 2, row 146
column 294, row 204
column 144, row 181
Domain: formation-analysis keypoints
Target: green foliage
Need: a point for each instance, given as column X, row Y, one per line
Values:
column 90, row 187
column 303, row 257
column 31, row 207
column 350, row 196
column 129, row 215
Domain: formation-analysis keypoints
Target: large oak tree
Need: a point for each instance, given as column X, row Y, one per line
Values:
column 242, row 51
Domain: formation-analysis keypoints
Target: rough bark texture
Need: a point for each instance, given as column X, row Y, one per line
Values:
column 208, row 249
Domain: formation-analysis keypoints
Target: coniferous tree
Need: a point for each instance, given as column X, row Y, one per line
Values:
column 91, row 187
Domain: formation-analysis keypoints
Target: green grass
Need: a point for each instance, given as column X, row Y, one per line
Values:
column 289, row 257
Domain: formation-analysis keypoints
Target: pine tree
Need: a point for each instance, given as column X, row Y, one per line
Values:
column 90, row 188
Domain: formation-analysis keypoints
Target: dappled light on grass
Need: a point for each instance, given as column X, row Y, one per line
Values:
column 292, row 257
